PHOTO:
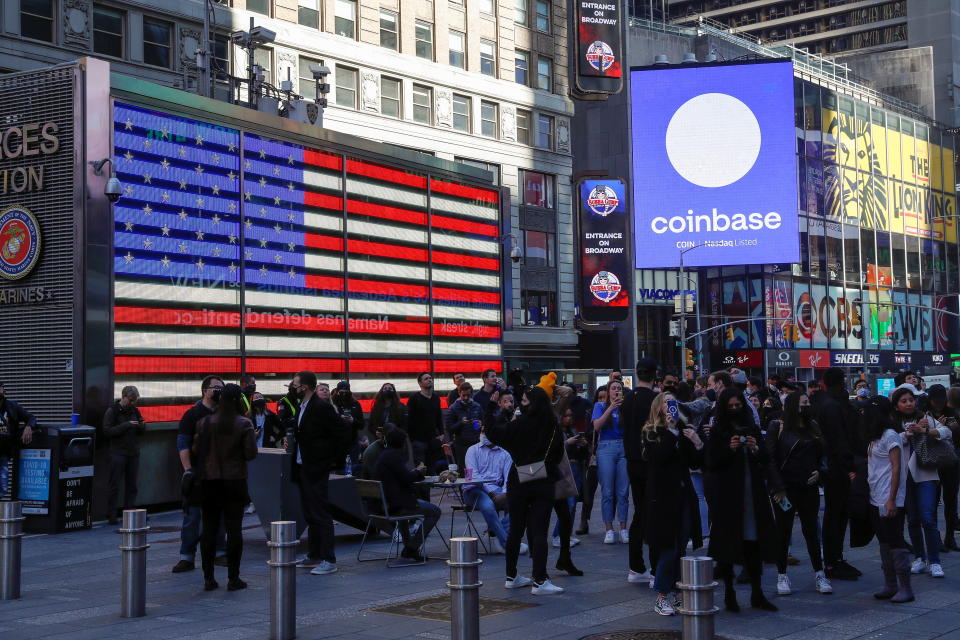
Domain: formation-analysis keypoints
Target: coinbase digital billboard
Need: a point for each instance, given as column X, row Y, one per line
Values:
column 714, row 164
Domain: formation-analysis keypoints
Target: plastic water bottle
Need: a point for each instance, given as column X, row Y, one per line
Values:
column 349, row 466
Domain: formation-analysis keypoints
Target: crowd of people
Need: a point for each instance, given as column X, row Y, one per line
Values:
column 720, row 465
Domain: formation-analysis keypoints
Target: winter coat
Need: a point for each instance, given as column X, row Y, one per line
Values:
column 792, row 459
column 669, row 459
column 123, row 426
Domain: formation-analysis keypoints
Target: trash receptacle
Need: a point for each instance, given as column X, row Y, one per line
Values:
column 54, row 478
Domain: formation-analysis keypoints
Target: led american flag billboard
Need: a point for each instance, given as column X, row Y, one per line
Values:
column 237, row 252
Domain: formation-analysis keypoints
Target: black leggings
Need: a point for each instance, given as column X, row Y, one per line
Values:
column 529, row 504
column 950, row 486
column 564, row 523
column 805, row 502
column 590, row 484
column 752, row 562
column 223, row 499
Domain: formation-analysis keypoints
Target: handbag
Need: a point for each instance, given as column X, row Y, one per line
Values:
column 934, row 453
column 566, row 486
column 535, row 470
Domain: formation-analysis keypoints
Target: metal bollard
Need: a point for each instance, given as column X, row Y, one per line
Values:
column 11, row 532
column 283, row 579
column 464, row 589
column 697, row 584
column 133, row 570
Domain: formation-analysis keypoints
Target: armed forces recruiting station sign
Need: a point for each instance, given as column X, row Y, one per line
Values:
column 19, row 242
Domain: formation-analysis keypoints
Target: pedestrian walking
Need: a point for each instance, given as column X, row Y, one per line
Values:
column 123, row 425
column 591, row 479
column 224, row 442
column 612, row 463
column 635, row 415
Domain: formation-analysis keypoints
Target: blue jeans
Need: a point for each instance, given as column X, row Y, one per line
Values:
column 477, row 498
column 572, row 501
column 190, row 535
column 614, row 481
column 4, row 475
column 921, row 506
column 697, row 480
column 668, row 562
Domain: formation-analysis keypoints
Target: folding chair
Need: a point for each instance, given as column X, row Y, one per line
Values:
column 469, row 525
column 371, row 492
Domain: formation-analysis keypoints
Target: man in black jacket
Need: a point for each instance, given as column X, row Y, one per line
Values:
column 398, row 489
column 16, row 426
column 635, row 412
column 123, row 425
column 425, row 421
column 837, row 420
column 318, row 439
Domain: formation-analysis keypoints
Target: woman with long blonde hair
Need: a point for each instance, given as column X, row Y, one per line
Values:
column 670, row 449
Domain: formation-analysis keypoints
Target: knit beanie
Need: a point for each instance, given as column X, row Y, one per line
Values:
column 547, row 383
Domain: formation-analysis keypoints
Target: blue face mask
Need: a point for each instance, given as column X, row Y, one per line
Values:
column 863, row 392
column 711, row 395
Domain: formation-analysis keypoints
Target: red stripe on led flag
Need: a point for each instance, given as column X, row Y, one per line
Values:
column 463, row 191
column 359, row 325
column 386, row 250
column 319, row 159
column 465, row 330
column 163, row 413
column 293, row 365
column 378, row 172
column 314, row 241
column 323, row 282
column 442, row 257
column 466, row 226
column 129, row 365
column 462, row 295
column 176, row 317
column 386, row 212
column 388, row 288
column 389, row 366
column 322, row 201
column 466, row 366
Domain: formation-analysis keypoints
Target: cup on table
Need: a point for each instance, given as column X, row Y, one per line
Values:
column 452, row 467
column 468, row 474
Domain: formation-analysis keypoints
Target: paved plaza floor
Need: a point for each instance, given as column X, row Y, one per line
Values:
column 71, row 590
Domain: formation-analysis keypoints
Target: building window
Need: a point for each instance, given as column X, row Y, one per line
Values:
column 539, row 307
column 544, row 73
column 108, row 31
column 486, row 6
column 222, row 87
column 543, row 15
column 457, row 3
column 521, row 12
column 523, row 127
column 422, row 104
column 424, row 37
column 307, row 85
column 156, row 42
column 345, row 18
column 521, row 67
column 488, row 119
column 457, row 59
column 308, row 13
column 461, row 113
column 347, row 87
column 388, row 30
column 264, row 58
column 259, row 6
column 544, row 131
column 36, row 19
column 538, row 189
column 486, row 166
column 538, row 249
column 390, row 97
column 488, row 58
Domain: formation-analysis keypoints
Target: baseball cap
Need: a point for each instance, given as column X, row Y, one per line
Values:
column 343, row 385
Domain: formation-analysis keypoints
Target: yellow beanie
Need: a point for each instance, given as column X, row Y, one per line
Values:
column 547, row 383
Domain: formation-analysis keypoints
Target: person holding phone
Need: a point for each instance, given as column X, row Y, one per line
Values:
column 123, row 425
column 795, row 469
column 612, row 463
column 887, row 478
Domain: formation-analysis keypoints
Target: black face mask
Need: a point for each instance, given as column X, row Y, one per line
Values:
column 216, row 394
column 805, row 412
column 259, row 405
column 711, row 395
column 292, row 393
column 249, row 389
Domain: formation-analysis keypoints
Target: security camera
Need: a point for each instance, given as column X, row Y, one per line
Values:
column 516, row 254
column 262, row 35
column 319, row 71
column 113, row 189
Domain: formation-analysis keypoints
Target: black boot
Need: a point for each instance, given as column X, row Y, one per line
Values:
column 889, row 574
column 565, row 563
column 729, row 594
column 901, row 559
column 757, row 599
column 584, row 528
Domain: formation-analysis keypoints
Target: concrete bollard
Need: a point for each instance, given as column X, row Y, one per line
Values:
column 133, row 570
column 283, row 580
column 464, row 589
column 697, row 584
column 11, row 534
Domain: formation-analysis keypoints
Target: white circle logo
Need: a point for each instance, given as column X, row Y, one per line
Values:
column 713, row 140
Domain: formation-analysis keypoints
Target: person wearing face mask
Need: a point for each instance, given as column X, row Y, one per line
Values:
column 742, row 530
column 266, row 424
column 248, row 386
column 942, row 407
column 123, row 425
column 795, row 466
column 287, row 407
column 211, row 388
column 16, row 426
column 861, row 393
column 387, row 408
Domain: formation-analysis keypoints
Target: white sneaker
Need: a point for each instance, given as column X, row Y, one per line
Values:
column 653, row 581
column 574, row 542
column 664, row 607
column 823, row 585
column 610, row 537
column 517, row 583
column 639, row 578
column 556, row 542
column 495, row 546
column 250, row 509
column 397, row 536
column 783, row 585
column 524, row 549
column 936, row 571
column 624, row 536
column 918, row 566
column 324, row 568
column 547, row 588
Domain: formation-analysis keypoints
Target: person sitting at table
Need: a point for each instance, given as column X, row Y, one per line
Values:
column 491, row 464
column 398, row 489
column 372, row 453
